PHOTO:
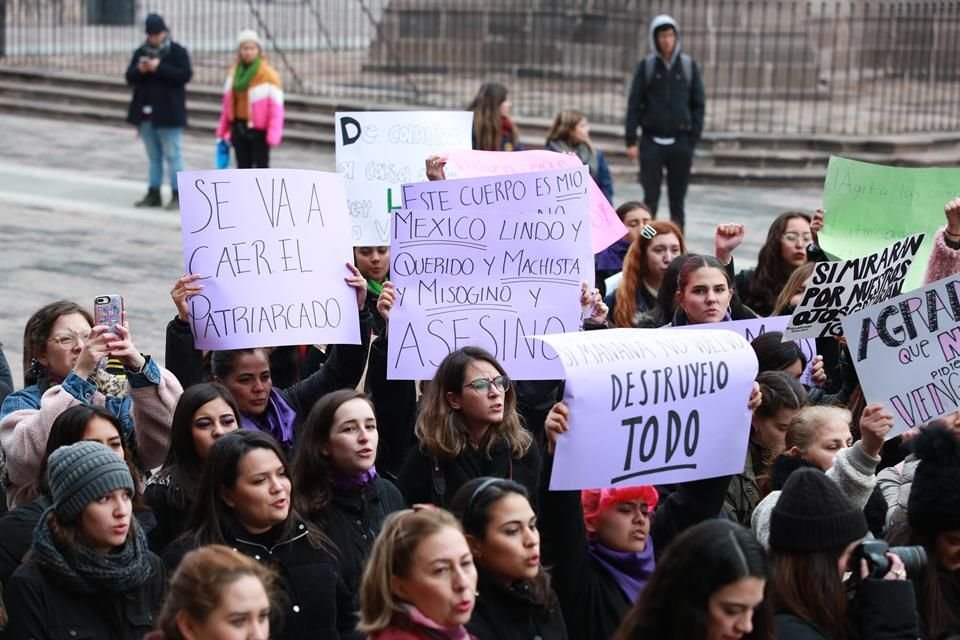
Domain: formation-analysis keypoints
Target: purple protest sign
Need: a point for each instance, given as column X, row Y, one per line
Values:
column 488, row 262
column 652, row 406
column 606, row 227
column 271, row 246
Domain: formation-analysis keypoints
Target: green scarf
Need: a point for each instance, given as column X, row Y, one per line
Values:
column 374, row 286
column 243, row 74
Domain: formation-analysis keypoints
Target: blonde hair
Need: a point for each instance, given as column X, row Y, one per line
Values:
column 440, row 428
column 564, row 124
column 392, row 555
column 796, row 280
column 807, row 422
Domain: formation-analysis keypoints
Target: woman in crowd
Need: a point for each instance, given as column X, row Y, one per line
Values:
column 78, row 423
column 634, row 215
column 933, row 522
column 814, row 531
column 420, row 582
column 710, row 585
column 655, row 247
column 335, row 483
column 252, row 114
column 89, row 572
column 792, row 292
column 205, row 412
column 516, row 600
column 246, row 372
column 244, row 502
column 61, row 354
column 819, row 437
column 218, row 594
column 783, row 396
column 570, row 133
column 704, row 292
column 374, row 266
column 493, row 130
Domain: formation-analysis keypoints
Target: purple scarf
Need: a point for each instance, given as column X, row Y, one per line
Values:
column 347, row 481
column 611, row 258
column 630, row 570
column 277, row 420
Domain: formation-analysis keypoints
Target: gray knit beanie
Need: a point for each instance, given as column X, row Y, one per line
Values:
column 80, row 473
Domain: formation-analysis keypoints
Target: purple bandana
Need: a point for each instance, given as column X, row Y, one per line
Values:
column 630, row 570
column 347, row 481
column 277, row 420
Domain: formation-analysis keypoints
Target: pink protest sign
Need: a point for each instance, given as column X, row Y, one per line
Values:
column 652, row 406
column 605, row 225
column 488, row 262
column 271, row 246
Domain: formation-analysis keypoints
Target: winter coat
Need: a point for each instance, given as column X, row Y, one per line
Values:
column 895, row 483
column 509, row 613
column 944, row 258
column 16, row 535
column 164, row 89
column 592, row 158
column 170, row 507
column 264, row 104
column 396, row 406
column 743, row 494
column 317, row 603
column 42, row 610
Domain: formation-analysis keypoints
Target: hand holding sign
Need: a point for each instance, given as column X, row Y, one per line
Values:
column 875, row 423
column 357, row 282
column 183, row 288
column 388, row 296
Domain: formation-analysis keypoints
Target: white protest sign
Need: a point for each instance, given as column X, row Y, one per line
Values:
column 837, row 289
column 271, row 246
column 907, row 353
column 652, row 406
column 488, row 262
column 377, row 151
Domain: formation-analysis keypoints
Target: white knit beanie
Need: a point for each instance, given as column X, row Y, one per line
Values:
column 249, row 35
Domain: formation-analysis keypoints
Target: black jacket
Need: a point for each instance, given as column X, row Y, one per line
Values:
column 395, row 404
column 164, row 89
column 41, row 610
column 171, row 509
column 510, row 613
column 420, row 481
column 668, row 105
column 16, row 535
column 317, row 603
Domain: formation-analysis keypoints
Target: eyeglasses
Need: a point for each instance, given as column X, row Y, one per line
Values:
column 69, row 341
column 483, row 385
column 793, row 236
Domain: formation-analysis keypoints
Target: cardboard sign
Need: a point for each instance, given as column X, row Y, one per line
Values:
column 651, row 406
column 837, row 289
column 377, row 151
column 907, row 353
column 488, row 262
column 271, row 246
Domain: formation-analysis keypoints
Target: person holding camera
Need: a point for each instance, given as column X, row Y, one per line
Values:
column 827, row 582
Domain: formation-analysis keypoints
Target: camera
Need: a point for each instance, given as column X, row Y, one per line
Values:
column 878, row 564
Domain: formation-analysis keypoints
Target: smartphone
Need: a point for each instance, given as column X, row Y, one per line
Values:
column 108, row 311
column 144, row 59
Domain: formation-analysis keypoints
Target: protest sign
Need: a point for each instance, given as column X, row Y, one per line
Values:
column 488, row 262
column 606, row 227
column 271, row 246
column 907, row 353
column 869, row 206
column 837, row 289
column 652, row 406
column 377, row 151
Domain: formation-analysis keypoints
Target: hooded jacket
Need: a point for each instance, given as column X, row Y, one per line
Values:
column 667, row 104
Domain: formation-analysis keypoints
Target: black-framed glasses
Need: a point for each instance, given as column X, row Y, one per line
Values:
column 483, row 384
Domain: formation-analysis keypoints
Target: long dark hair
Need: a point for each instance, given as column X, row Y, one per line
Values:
column 773, row 354
column 667, row 294
column 486, row 117
column 772, row 271
column 807, row 585
column 700, row 562
column 183, row 464
column 472, row 505
column 937, row 614
column 37, row 331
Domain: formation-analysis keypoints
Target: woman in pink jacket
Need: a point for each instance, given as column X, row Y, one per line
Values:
column 252, row 114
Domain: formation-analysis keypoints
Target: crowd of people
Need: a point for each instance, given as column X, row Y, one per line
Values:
column 298, row 492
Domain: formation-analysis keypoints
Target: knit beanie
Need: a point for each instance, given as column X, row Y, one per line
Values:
column 154, row 24
column 812, row 515
column 249, row 35
column 596, row 501
column 934, row 504
column 80, row 473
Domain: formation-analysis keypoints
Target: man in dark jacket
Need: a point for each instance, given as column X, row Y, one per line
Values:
column 667, row 102
column 158, row 72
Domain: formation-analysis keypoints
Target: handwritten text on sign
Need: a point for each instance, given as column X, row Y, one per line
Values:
column 379, row 151
column 651, row 406
column 271, row 246
column 907, row 353
column 488, row 262
column 605, row 226
column 837, row 289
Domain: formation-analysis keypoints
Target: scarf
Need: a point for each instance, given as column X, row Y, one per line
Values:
column 86, row 570
column 277, row 420
column 243, row 74
column 374, row 286
column 158, row 51
column 630, row 570
column 342, row 480
column 582, row 150
column 430, row 629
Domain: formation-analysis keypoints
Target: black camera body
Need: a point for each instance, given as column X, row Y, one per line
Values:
column 878, row 564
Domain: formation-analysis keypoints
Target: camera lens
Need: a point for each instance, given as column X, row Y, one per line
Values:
column 914, row 559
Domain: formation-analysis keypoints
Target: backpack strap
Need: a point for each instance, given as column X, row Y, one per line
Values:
column 650, row 63
column 686, row 63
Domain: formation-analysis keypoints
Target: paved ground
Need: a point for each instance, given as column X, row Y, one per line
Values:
column 67, row 229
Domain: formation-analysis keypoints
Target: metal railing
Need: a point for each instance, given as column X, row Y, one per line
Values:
column 770, row 66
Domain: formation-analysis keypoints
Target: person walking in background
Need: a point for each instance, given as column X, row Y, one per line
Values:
column 158, row 72
column 252, row 114
column 667, row 102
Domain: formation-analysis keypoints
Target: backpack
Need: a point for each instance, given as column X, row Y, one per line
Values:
column 686, row 63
